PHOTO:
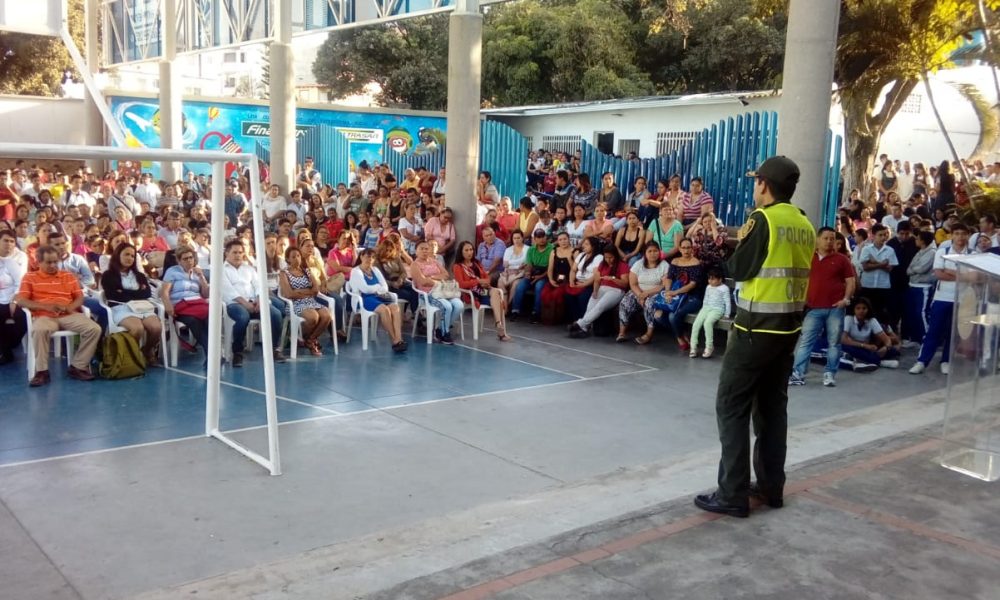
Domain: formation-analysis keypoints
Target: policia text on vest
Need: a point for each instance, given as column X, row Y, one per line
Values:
column 771, row 263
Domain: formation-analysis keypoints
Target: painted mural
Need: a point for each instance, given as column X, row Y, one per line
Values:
column 236, row 128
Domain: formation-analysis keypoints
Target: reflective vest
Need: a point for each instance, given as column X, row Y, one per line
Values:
column 773, row 301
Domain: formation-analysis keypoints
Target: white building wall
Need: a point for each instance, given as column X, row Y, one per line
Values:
column 36, row 120
column 639, row 124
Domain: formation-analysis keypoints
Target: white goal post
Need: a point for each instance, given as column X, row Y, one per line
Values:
column 218, row 161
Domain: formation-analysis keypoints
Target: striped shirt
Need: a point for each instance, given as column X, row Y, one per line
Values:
column 60, row 288
column 692, row 208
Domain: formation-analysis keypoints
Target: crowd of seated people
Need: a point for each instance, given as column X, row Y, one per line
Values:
column 593, row 257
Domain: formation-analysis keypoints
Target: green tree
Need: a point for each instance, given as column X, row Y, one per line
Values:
column 34, row 64
column 559, row 52
column 876, row 73
column 725, row 45
column 407, row 59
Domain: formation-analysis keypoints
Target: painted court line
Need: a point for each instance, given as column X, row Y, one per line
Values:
column 256, row 391
column 333, row 415
column 595, row 354
column 530, row 364
column 802, row 488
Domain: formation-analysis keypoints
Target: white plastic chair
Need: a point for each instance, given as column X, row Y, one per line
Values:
column 28, row 342
column 358, row 309
column 227, row 333
column 431, row 314
column 292, row 324
column 112, row 328
column 478, row 314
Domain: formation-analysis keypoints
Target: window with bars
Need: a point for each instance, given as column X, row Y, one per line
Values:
column 626, row 146
column 531, row 142
column 668, row 141
column 561, row 143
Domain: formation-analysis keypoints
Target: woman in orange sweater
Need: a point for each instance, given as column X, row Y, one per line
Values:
column 471, row 275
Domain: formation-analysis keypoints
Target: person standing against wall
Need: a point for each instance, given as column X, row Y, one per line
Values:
column 772, row 263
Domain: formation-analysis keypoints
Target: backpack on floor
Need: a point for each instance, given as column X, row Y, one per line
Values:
column 122, row 358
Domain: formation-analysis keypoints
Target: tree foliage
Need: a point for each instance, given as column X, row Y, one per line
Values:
column 538, row 51
column 407, row 59
column 34, row 64
column 876, row 73
column 727, row 45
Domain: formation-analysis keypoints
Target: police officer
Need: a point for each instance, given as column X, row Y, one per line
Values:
column 772, row 262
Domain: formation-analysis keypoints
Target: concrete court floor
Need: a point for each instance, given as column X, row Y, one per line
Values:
column 374, row 499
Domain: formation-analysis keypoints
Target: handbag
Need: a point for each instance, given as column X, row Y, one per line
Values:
column 661, row 302
column 335, row 283
column 196, row 307
column 141, row 306
column 446, row 290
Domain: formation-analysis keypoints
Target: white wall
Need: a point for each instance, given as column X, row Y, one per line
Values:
column 642, row 124
column 31, row 119
column 912, row 136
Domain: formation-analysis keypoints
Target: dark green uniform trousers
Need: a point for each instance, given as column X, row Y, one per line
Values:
column 753, row 384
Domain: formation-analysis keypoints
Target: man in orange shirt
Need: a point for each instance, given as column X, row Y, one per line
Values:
column 54, row 297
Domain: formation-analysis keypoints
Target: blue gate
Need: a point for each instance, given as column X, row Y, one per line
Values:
column 721, row 155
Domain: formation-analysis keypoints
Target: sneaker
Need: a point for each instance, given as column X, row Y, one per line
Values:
column 237, row 360
column 863, row 367
column 890, row 364
column 796, row 379
column 279, row 357
column 846, row 362
column 446, row 340
column 945, row 368
column 709, row 351
column 828, row 380
column 910, row 344
column 438, row 337
column 535, row 319
column 694, row 352
column 917, row 368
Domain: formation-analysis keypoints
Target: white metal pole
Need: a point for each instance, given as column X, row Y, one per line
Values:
column 215, row 306
column 267, row 339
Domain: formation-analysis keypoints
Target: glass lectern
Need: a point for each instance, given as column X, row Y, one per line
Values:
column 972, row 414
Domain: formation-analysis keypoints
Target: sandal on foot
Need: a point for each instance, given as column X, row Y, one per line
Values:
column 642, row 340
column 621, row 338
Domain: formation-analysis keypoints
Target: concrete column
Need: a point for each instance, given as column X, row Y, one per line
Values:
column 282, row 95
column 807, row 79
column 465, row 51
column 171, row 106
column 94, row 123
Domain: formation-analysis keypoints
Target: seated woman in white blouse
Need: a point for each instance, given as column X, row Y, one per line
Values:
column 243, row 301
column 513, row 264
column 368, row 281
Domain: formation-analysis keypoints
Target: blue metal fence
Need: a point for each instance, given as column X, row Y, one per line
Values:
column 721, row 155
column 503, row 151
column 328, row 147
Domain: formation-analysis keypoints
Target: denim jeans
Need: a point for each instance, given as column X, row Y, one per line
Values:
column 241, row 318
column 522, row 287
column 813, row 324
column 675, row 319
